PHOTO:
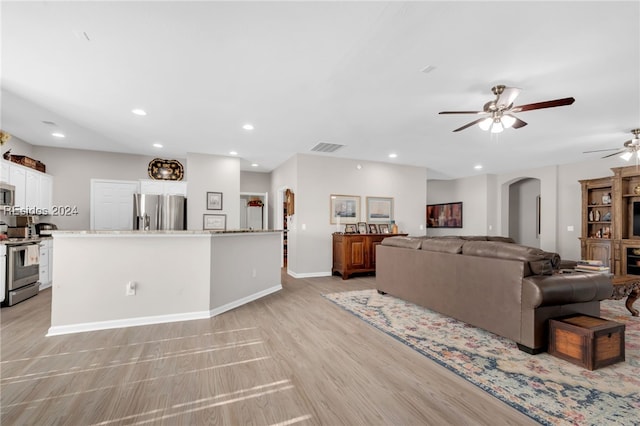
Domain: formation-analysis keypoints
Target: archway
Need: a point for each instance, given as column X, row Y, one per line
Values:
column 524, row 211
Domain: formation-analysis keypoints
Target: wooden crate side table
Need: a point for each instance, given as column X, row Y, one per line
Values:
column 587, row 341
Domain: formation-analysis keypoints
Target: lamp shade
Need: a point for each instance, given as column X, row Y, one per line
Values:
column 486, row 123
column 627, row 155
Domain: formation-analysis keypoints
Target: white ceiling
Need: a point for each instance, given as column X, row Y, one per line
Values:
column 307, row 72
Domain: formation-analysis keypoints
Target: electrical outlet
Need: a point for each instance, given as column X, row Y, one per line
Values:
column 131, row 288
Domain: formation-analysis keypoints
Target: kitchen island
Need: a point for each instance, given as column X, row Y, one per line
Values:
column 111, row 279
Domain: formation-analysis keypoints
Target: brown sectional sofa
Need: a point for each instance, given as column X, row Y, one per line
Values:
column 489, row 282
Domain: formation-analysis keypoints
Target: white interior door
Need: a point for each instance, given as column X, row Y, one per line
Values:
column 112, row 204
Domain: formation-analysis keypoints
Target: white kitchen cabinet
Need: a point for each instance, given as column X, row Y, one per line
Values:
column 32, row 193
column 33, row 189
column 18, row 178
column 4, row 171
column 46, row 191
column 46, row 262
column 148, row 186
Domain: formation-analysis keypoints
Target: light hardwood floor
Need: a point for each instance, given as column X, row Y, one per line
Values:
column 289, row 358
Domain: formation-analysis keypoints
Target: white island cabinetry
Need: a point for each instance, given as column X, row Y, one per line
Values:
column 157, row 276
column 46, row 262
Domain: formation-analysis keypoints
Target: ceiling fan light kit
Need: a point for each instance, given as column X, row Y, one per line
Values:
column 631, row 147
column 501, row 108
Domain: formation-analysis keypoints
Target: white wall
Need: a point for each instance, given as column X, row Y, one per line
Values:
column 72, row 171
column 320, row 176
column 213, row 173
column 255, row 182
column 560, row 193
column 476, row 212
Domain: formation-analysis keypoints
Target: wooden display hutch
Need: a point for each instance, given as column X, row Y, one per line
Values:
column 608, row 232
column 356, row 253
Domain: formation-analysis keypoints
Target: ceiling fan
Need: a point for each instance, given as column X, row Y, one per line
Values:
column 632, row 146
column 500, row 110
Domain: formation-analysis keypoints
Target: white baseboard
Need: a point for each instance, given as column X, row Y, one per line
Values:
column 308, row 274
column 227, row 307
column 157, row 319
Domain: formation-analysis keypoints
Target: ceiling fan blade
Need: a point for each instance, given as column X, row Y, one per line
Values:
column 545, row 104
column 615, row 153
column 518, row 123
column 600, row 150
column 466, row 126
column 507, row 97
column 461, row 112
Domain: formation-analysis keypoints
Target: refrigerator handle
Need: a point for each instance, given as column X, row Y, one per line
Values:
column 158, row 212
column 143, row 222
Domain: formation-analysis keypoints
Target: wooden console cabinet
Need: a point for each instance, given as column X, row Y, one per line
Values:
column 356, row 253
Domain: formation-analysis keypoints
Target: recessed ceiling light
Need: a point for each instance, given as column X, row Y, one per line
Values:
column 254, row 164
column 248, row 126
column 393, row 155
column 428, row 69
column 57, row 134
column 233, row 153
column 139, row 111
column 478, row 167
column 157, row 145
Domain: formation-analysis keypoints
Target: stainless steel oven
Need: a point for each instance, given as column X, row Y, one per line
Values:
column 23, row 268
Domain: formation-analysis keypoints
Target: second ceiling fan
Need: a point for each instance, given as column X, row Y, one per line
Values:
column 498, row 113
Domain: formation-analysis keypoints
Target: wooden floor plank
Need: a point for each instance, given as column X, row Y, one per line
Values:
column 289, row 358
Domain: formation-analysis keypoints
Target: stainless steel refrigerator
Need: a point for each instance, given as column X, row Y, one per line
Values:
column 159, row 212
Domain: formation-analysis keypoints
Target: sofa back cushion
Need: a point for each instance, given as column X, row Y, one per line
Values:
column 503, row 239
column 404, row 242
column 537, row 261
column 443, row 245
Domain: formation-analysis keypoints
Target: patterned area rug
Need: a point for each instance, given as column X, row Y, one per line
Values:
column 545, row 388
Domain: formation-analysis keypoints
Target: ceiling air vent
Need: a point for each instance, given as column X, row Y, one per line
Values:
column 326, row 147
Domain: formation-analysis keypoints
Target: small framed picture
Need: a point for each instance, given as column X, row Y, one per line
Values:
column 350, row 228
column 373, row 228
column 606, row 199
column 214, row 200
column 383, row 228
column 362, row 227
column 215, row 222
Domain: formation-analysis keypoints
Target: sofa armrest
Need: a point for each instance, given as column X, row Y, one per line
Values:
column 560, row 289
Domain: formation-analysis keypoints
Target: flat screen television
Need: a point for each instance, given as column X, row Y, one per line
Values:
column 636, row 218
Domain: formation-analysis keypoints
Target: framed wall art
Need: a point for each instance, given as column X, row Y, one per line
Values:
column 448, row 215
column 379, row 209
column 344, row 208
column 214, row 200
column 215, row 222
